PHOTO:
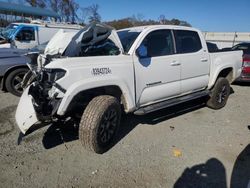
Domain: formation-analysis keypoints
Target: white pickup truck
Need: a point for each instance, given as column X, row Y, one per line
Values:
column 101, row 72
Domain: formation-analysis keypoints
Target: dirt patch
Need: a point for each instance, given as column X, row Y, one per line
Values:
column 7, row 121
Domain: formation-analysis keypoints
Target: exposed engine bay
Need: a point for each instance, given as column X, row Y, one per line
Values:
column 93, row 40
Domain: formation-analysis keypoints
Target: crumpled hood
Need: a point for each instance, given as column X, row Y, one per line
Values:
column 69, row 43
column 59, row 42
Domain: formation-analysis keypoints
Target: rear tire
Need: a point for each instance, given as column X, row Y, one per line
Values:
column 99, row 124
column 220, row 94
column 14, row 80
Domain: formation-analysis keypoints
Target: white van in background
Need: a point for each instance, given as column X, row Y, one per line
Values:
column 29, row 35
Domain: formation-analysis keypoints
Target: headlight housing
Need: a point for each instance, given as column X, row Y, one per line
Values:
column 52, row 75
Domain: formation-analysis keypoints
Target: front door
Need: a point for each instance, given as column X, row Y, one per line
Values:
column 157, row 72
column 25, row 38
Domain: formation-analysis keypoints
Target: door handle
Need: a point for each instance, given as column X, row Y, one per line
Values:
column 204, row 60
column 175, row 63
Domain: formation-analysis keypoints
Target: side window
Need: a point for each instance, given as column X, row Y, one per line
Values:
column 26, row 34
column 187, row 41
column 159, row 43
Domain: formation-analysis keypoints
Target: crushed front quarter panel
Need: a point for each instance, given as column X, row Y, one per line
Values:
column 25, row 114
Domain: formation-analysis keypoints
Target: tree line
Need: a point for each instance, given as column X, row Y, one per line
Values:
column 71, row 11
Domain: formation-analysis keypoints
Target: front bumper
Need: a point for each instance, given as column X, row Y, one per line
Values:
column 26, row 115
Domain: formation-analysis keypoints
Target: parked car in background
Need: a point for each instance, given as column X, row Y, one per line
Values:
column 13, row 64
column 245, row 47
column 27, row 36
column 13, row 67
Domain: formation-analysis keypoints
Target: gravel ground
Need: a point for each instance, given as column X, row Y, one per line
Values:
column 195, row 147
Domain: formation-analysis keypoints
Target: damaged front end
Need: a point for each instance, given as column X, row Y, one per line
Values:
column 42, row 96
column 40, row 100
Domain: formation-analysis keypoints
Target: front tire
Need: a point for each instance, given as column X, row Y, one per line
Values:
column 220, row 94
column 99, row 124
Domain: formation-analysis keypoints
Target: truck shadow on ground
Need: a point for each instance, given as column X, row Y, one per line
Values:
column 63, row 132
column 212, row 174
column 241, row 171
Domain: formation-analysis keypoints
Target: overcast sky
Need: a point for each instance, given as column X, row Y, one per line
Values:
column 207, row 15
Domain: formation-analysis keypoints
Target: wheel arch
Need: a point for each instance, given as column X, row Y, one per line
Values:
column 83, row 97
column 225, row 72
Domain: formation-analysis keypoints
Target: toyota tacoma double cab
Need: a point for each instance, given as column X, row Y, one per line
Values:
column 100, row 73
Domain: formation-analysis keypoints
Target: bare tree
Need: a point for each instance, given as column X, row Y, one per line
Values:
column 37, row 3
column 93, row 12
column 163, row 20
column 68, row 9
column 175, row 21
column 85, row 12
column 73, row 7
column 55, row 5
column 137, row 19
column 140, row 17
column 31, row 2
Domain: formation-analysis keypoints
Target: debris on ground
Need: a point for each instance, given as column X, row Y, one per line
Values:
column 94, row 172
column 177, row 152
column 172, row 128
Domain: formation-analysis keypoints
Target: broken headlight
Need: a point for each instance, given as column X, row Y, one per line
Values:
column 52, row 75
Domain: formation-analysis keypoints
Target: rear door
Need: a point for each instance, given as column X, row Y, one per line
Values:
column 194, row 60
column 158, row 73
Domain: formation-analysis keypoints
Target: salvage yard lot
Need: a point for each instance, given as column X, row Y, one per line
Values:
column 212, row 144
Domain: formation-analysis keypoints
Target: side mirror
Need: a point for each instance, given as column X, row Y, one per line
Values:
column 142, row 52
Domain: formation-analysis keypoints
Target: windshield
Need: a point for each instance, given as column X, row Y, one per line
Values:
column 6, row 32
column 127, row 38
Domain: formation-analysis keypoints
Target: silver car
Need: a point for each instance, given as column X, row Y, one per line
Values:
column 13, row 67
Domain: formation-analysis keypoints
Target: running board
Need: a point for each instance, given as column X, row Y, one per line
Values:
column 170, row 102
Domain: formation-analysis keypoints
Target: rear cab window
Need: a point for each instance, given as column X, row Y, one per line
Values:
column 187, row 41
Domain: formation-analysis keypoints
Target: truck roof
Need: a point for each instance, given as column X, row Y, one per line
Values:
column 149, row 27
column 52, row 25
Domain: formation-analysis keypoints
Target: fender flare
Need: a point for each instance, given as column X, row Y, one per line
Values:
column 216, row 74
column 88, row 84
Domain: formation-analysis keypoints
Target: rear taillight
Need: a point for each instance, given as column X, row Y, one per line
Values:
column 246, row 62
column 246, row 66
